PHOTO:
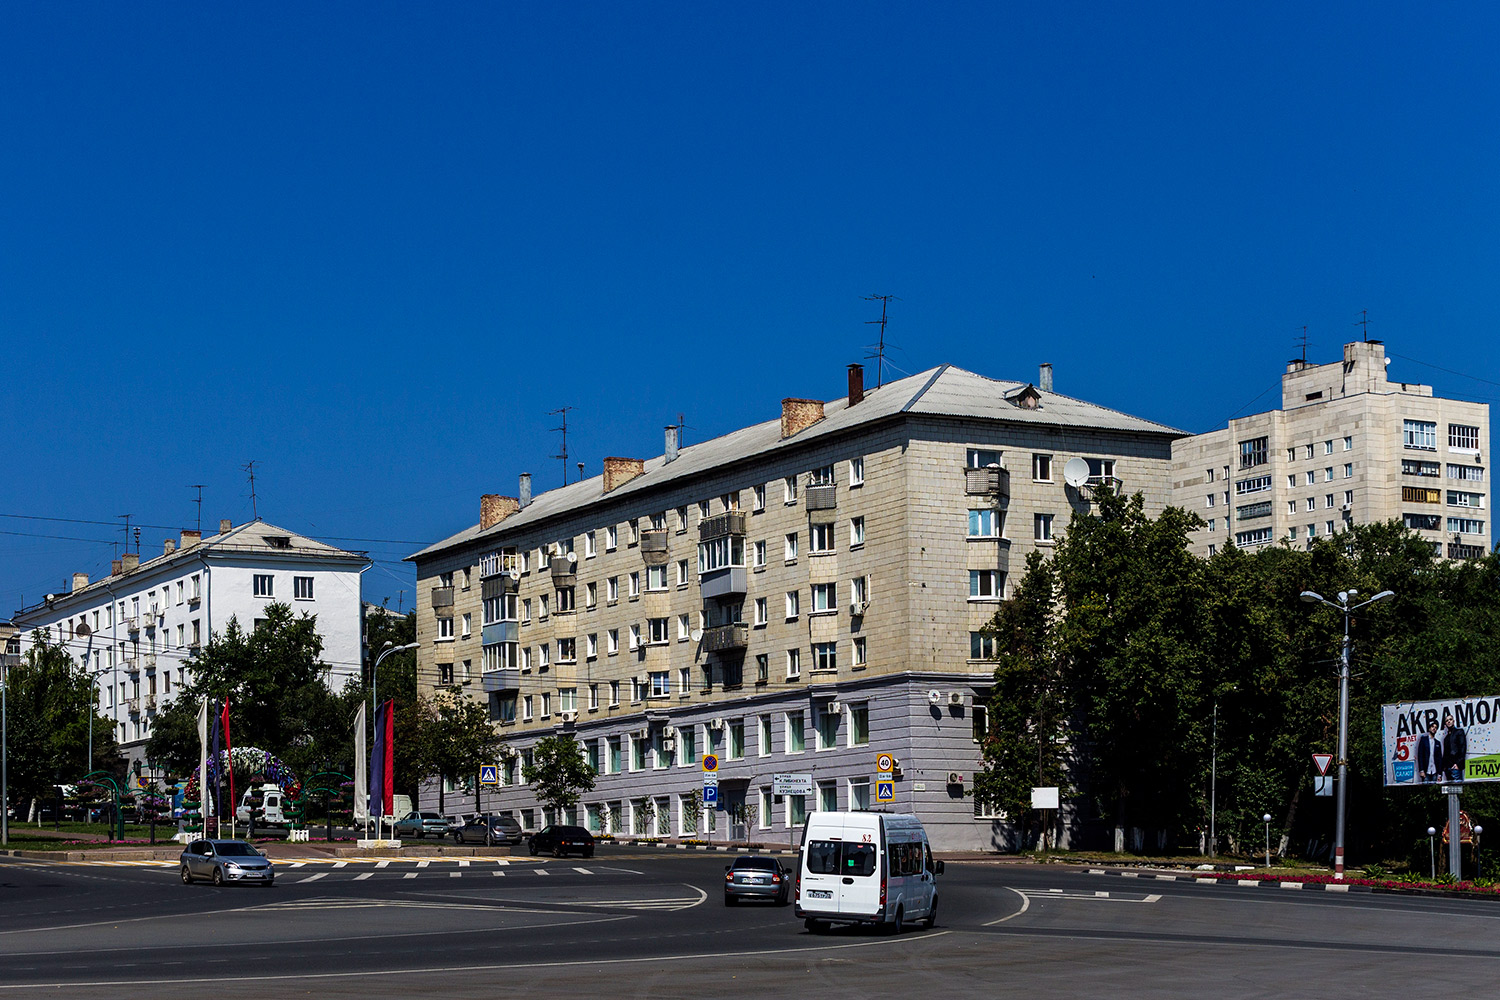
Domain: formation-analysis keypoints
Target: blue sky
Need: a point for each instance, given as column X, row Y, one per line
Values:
column 371, row 246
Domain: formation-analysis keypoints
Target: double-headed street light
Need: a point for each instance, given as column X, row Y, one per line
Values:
column 1343, row 605
column 385, row 650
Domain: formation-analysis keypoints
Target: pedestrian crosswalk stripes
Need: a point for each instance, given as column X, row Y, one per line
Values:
column 304, row 862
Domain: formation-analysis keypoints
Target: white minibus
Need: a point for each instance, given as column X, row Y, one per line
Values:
column 866, row 868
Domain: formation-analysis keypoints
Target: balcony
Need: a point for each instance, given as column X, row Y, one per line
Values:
column 497, row 586
column 992, row 480
column 133, row 706
column 131, row 666
column 132, row 625
column 442, row 597
column 731, row 522
column 822, row 496
column 1457, row 550
column 564, row 571
column 151, row 703
column 149, row 662
column 195, row 599
column 724, row 638
column 501, row 680
column 654, row 546
column 728, row 581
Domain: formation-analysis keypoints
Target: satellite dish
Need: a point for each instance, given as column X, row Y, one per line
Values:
column 572, row 558
column 514, row 573
column 934, row 696
column 697, row 634
column 1076, row 472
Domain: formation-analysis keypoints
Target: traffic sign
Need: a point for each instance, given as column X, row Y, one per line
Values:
column 885, row 791
column 1322, row 761
column 791, row 784
column 710, row 762
column 489, row 774
column 710, row 780
column 885, row 763
column 710, row 794
column 1323, row 785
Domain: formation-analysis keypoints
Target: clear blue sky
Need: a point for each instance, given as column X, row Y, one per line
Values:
column 370, row 246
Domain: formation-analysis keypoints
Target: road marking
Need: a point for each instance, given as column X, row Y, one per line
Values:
column 502, row 862
column 497, row 873
column 299, row 864
column 362, row 876
column 423, row 864
column 313, row 878
column 341, row 864
column 543, row 871
column 455, row 874
column 382, row 864
column 583, row 871
column 410, row 875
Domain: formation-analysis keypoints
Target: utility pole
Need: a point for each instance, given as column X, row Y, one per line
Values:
column 563, row 411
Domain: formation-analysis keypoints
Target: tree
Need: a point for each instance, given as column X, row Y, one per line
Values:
column 559, row 772
column 49, row 699
column 449, row 736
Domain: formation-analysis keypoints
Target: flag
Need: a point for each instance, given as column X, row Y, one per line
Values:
column 378, row 757
column 218, row 806
column 361, row 768
column 203, row 757
column 229, row 752
column 388, row 719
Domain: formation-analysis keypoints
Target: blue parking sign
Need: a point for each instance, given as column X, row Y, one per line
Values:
column 710, row 794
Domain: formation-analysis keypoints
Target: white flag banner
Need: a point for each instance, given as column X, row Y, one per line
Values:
column 361, row 769
column 203, row 796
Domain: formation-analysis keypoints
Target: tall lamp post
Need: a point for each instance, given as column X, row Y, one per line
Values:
column 1311, row 597
column 4, row 752
column 1213, row 778
column 385, row 651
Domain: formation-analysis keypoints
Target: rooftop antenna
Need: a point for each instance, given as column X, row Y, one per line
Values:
column 400, row 602
column 681, row 423
column 1364, row 321
column 199, row 502
column 1303, row 340
column 137, row 539
column 127, row 518
column 879, row 354
column 580, row 472
column 249, row 468
column 564, row 428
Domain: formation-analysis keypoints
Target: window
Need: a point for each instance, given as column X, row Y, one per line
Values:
column 1328, row 500
column 982, row 458
column 985, row 584
column 542, row 603
column 1417, row 467
column 791, row 547
column 1208, row 501
column 591, row 595
column 445, row 673
column 684, row 575
column 263, row 583
column 1327, row 527
column 302, row 588
column 793, row 664
column 684, row 678
column 656, row 578
column 1042, row 527
column 612, row 589
column 760, row 553
column 821, row 476
column 1348, row 496
column 526, row 610
column 1311, row 477
column 859, row 793
column 1291, row 482
column 526, row 709
column 827, row 730
column 1309, row 452
column 1468, row 473
column 856, row 532
column 1348, row 444
column 1291, row 454
column 761, row 615
column 825, row 597
column 612, row 637
column 687, row 738
column 1328, row 447
column 763, row 668
column 635, row 637
column 659, row 521
column 1254, row 452
column 981, row 646
column 703, row 509
column 857, row 471
column 1312, row 503
column 635, row 584
column 445, row 629
column 611, row 537
column 468, row 623
column 736, row 739
column 1348, row 470
column 859, row 725
column 1212, row 524
column 1465, row 526
column 1416, row 494
column 1458, row 498
column 567, row 699
column 591, row 647
column 796, row 738
column 820, row 537
column 1258, row 484
column 825, row 656
column 543, row 656
column 614, row 698
column 728, row 550
column 1419, row 434
column 1312, row 531
column 982, row 523
column 638, row 754
column 793, row 604
column 789, row 489
column 861, row 658
column 759, row 503
column 567, row 652
column 859, row 589
column 1259, row 536
column 1463, row 437
column 661, row 683
column 1041, row 468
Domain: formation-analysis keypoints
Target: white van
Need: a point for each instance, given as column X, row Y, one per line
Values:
column 866, row 868
column 271, row 811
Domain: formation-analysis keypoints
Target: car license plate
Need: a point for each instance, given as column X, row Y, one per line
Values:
column 758, row 881
column 820, row 893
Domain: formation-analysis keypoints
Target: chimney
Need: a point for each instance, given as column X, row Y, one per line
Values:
column 189, row 538
column 619, row 471
column 494, row 508
column 525, row 489
column 225, row 525
column 856, row 383
column 114, row 567
column 80, row 580
column 130, row 562
column 168, row 546
column 798, row 415
column 1045, row 378
column 671, row 448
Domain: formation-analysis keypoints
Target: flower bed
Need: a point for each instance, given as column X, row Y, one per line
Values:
column 1374, row 883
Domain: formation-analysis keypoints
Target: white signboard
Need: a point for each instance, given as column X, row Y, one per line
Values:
column 791, row 784
column 1044, row 798
column 1437, row 742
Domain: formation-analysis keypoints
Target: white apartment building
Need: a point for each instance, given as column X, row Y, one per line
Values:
column 798, row 596
column 1349, row 445
column 139, row 628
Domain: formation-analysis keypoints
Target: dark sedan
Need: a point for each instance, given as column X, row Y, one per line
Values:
column 502, row 830
column 225, row 862
column 755, row 877
column 559, row 840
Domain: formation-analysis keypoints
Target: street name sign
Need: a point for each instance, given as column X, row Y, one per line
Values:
column 791, row 784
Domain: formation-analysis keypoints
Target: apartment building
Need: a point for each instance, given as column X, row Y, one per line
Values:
column 795, row 597
column 1349, row 445
column 139, row 628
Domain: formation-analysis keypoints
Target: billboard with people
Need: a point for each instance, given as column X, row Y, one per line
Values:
column 1438, row 742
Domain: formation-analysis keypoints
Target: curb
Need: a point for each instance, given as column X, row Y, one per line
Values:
column 1290, row 884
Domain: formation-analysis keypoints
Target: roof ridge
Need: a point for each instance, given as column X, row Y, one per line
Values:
column 938, row 373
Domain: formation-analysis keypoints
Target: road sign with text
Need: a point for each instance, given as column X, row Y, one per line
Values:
column 791, row 784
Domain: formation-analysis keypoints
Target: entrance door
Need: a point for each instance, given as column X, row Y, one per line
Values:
column 734, row 807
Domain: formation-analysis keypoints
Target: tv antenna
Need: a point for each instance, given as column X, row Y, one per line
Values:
column 1302, row 340
column 249, row 468
column 127, row 518
column 199, row 502
column 563, row 411
column 879, row 355
column 1364, row 321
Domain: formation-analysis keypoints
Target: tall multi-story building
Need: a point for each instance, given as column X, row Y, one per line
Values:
column 796, row 597
column 1348, row 446
column 138, row 629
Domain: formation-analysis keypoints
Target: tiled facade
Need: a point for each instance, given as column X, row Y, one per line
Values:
column 1348, row 446
column 859, row 551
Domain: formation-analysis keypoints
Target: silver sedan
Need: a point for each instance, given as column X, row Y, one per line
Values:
column 225, row 862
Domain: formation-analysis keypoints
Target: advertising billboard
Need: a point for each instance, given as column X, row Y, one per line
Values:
column 1432, row 742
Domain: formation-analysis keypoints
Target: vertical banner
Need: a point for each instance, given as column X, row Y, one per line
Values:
column 203, row 760
column 229, row 763
column 361, row 769
column 388, row 720
column 377, row 767
column 214, row 772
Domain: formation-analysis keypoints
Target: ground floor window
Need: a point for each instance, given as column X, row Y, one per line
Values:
column 859, row 793
column 767, row 809
column 828, row 796
column 616, row 817
column 596, row 819
column 796, row 806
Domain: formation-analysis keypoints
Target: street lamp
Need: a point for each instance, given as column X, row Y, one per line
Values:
column 1311, row 597
column 386, row 650
column 1432, row 849
column 1478, row 868
column 4, row 754
column 1266, row 819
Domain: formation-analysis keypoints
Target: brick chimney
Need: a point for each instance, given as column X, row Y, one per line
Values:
column 619, row 471
column 114, row 567
column 856, row 383
column 225, row 526
column 525, row 489
column 799, row 414
column 1044, row 382
column 189, row 537
column 494, row 508
column 168, row 546
column 130, row 562
column 80, row 580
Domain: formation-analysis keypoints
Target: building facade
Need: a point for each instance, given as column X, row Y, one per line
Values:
column 1348, row 446
column 795, row 597
column 139, row 628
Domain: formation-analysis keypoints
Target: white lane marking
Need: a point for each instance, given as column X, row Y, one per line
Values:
column 583, row 871
column 299, row 864
column 382, row 864
column 497, row 873
column 502, row 862
column 1025, row 905
column 410, row 875
column 455, row 874
column 313, row 878
column 341, row 864
column 362, row 876
column 423, row 864
column 543, row 871
column 463, row 862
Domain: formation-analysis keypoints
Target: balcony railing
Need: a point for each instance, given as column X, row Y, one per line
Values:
column 133, row 706
column 721, row 638
column 991, row 480
column 442, row 597
column 564, row 571
column 822, row 496
column 654, row 545
column 731, row 522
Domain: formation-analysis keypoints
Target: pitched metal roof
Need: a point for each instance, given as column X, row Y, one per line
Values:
column 944, row 391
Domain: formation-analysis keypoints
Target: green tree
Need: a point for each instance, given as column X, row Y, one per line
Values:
column 558, row 772
column 49, row 700
column 448, row 736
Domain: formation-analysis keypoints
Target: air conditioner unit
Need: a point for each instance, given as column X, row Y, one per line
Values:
column 642, row 734
column 934, row 697
column 715, row 723
column 954, row 778
column 858, row 608
column 1347, row 507
column 835, row 708
column 668, row 744
column 568, row 716
column 669, row 731
column 955, row 697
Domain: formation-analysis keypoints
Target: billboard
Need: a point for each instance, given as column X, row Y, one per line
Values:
column 1431, row 742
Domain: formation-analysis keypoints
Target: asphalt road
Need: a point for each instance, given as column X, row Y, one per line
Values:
column 640, row 922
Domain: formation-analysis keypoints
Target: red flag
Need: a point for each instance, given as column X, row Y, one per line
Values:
column 388, row 722
column 229, row 752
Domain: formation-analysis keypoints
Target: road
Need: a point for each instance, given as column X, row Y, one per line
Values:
column 645, row 922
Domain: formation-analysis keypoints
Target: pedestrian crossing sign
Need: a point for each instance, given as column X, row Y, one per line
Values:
column 489, row 774
column 885, row 791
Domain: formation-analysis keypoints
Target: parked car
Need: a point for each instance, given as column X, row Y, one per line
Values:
column 420, row 824
column 455, row 824
column 559, row 840
column 753, row 876
column 502, row 830
column 225, row 862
